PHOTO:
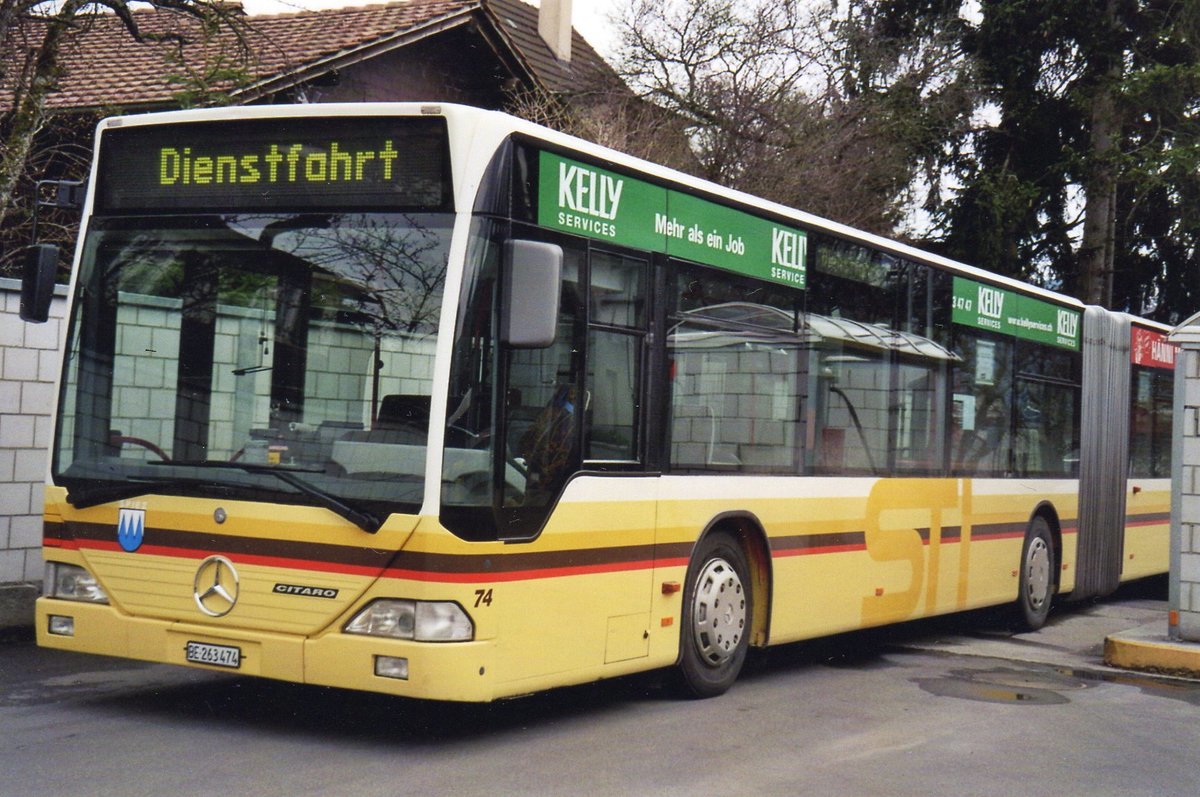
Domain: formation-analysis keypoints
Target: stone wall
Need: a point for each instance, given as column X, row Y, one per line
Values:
column 1185, row 565
column 28, row 365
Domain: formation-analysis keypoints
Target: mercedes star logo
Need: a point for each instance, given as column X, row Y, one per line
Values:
column 215, row 586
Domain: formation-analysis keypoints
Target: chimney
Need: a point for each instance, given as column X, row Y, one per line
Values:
column 554, row 26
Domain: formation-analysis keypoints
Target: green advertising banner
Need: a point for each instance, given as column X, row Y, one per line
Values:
column 586, row 200
column 988, row 307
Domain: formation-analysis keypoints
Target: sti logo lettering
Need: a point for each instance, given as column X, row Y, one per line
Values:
column 588, row 192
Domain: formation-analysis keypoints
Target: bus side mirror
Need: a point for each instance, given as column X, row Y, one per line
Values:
column 532, row 284
column 37, row 284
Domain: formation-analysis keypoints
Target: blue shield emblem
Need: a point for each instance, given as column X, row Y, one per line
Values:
column 131, row 528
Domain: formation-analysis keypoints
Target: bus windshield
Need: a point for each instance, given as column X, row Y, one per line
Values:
column 249, row 355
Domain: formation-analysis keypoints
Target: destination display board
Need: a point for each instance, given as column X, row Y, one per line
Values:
column 586, row 200
column 1010, row 313
column 352, row 163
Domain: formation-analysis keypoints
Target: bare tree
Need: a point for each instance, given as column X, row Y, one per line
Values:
column 727, row 69
column 797, row 102
column 61, row 149
column 609, row 114
column 33, row 38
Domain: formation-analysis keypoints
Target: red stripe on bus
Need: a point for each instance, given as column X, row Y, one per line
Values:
column 431, row 575
column 818, row 549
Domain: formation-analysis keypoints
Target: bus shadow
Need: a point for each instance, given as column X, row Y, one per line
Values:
column 280, row 708
column 868, row 647
column 283, row 708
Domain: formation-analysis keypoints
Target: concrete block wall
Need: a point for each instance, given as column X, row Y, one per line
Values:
column 1188, row 489
column 28, row 365
column 735, row 406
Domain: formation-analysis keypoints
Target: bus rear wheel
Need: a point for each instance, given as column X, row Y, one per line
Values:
column 1036, row 576
column 717, row 608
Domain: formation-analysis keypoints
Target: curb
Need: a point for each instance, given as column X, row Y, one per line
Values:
column 16, row 606
column 1147, row 649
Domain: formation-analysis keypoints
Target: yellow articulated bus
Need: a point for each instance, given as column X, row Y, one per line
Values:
column 431, row 401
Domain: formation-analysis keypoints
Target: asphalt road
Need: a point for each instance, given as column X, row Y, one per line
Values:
column 955, row 706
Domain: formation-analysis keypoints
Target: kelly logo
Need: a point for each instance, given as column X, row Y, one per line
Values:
column 1068, row 324
column 131, row 528
column 991, row 302
column 788, row 248
column 589, row 192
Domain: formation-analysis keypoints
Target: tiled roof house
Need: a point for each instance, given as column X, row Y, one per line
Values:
column 472, row 51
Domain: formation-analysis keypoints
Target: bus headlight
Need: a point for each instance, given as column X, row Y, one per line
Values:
column 422, row 621
column 72, row 583
column 443, row 622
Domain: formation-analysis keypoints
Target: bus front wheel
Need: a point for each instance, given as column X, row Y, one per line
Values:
column 717, row 608
column 1036, row 576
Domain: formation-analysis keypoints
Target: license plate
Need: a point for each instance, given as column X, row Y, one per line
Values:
column 214, row 655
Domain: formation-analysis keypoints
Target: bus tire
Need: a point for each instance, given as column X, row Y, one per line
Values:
column 1036, row 576
column 717, row 608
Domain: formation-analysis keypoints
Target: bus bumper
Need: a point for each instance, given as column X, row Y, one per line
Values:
column 459, row 671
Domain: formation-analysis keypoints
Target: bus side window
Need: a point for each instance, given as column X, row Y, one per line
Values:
column 737, row 373
column 543, row 400
column 1047, row 410
column 981, row 440
column 617, row 305
column 1151, row 407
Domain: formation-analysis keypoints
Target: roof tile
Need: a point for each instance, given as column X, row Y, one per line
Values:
column 104, row 66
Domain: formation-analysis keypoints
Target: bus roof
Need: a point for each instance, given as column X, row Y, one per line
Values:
column 494, row 126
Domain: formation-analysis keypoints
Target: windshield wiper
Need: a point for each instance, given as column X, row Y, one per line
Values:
column 367, row 521
column 364, row 519
column 81, row 496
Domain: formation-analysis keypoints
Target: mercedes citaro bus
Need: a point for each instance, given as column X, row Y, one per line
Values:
column 432, row 401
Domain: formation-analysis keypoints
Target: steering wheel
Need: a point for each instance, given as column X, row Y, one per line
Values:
column 118, row 441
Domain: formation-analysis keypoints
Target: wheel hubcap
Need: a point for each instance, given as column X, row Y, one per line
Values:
column 1037, row 572
column 718, row 612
